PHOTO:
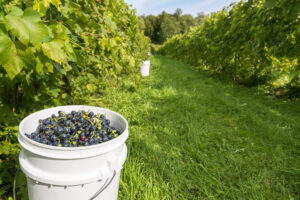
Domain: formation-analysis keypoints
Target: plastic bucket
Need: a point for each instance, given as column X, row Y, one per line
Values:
column 72, row 173
column 145, row 68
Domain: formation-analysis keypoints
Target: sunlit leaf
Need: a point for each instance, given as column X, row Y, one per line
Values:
column 9, row 59
column 54, row 50
column 28, row 27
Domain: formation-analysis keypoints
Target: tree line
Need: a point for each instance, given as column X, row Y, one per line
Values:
column 163, row 26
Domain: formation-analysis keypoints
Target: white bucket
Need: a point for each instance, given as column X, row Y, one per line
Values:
column 72, row 173
column 145, row 68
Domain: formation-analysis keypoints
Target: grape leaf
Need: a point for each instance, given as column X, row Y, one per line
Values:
column 9, row 59
column 39, row 65
column 17, row 27
column 37, row 30
column 54, row 50
column 5, row 45
column 28, row 27
column 15, row 11
column 111, row 23
column 70, row 51
column 43, row 5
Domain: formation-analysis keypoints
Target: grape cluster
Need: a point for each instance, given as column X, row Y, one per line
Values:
column 74, row 129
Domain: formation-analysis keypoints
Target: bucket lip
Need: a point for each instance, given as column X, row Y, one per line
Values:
column 22, row 134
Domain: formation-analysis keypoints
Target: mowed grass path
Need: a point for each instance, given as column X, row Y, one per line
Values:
column 193, row 136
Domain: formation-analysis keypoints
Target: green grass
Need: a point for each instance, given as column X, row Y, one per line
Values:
column 194, row 136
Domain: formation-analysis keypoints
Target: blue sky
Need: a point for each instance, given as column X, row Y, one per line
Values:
column 188, row 6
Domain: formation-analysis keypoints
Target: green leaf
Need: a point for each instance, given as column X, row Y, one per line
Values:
column 118, row 67
column 110, row 22
column 27, row 27
column 43, row 5
column 28, row 56
column 50, row 68
column 17, row 27
column 71, row 53
column 9, row 59
column 54, row 50
column 5, row 45
column 54, row 92
column 60, row 31
column 270, row 3
column 4, row 149
column 67, row 67
column 16, row 11
column 37, row 30
column 90, row 87
column 39, row 65
column 91, row 77
column 14, row 64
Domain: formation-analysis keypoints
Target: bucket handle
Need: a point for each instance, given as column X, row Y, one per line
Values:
column 104, row 186
column 14, row 185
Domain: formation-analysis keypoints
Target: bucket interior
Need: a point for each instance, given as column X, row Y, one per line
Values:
column 30, row 123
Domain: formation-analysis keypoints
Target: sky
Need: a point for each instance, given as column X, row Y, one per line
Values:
column 193, row 7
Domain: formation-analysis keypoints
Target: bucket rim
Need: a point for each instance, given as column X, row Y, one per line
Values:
column 75, row 107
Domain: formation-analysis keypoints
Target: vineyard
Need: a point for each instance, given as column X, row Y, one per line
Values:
column 252, row 42
column 195, row 130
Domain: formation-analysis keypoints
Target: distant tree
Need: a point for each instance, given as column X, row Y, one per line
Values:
column 186, row 21
column 169, row 26
column 200, row 18
column 150, row 26
column 178, row 13
column 163, row 26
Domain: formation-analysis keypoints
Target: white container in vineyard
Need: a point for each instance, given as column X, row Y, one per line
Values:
column 145, row 68
column 73, row 173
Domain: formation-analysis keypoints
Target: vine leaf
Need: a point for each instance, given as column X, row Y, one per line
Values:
column 26, row 26
column 110, row 22
column 70, row 51
column 54, row 50
column 43, row 5
column 39, row 65
column 9, row 59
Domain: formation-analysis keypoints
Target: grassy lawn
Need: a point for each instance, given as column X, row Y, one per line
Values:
column 193, row 136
